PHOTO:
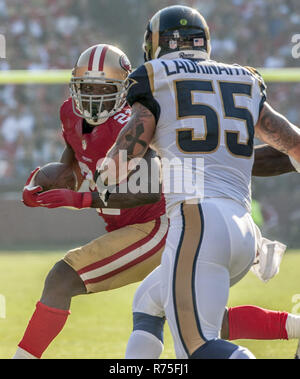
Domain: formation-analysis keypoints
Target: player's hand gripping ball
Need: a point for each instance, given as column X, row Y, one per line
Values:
column 52, row 175
column 55, row 175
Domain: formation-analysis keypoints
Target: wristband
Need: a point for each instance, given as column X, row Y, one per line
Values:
column 295, row 163
column 104, row 196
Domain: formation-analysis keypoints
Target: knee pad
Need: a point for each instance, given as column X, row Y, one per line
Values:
column 221, row 349
column 147, row 298
column 151, row 324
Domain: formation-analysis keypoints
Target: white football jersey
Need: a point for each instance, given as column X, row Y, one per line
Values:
column 205, row 112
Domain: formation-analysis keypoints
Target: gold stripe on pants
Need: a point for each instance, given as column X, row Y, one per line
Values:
column 184, row 271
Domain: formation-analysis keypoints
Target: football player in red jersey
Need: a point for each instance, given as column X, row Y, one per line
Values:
column 91, row 120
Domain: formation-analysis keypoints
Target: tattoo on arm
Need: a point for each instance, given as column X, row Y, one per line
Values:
column 133, row 140
column 134, row 137
column 277, row 131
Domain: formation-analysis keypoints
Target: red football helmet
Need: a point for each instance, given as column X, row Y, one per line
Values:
column 98, row 83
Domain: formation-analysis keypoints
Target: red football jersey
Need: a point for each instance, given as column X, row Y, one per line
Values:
column 92, row 146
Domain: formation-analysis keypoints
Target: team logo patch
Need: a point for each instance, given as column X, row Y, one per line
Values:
column 130, row 82
column 186, row 56
column 183, row 22
column 176, row 34
column 124, row 63
column 84, row 144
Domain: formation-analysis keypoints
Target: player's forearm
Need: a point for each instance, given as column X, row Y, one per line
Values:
column 125, row 200
column 270, row 162
column 68, row 156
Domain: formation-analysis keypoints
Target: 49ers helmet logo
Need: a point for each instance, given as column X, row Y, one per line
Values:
column 124, row 63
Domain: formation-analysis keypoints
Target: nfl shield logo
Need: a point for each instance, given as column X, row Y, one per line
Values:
column 124, row 63
column 176, row 34
column 83, row 142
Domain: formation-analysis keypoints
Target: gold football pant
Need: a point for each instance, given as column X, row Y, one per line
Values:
column 120, row 257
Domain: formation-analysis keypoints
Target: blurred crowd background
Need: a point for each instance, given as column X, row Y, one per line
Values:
column 50, row 34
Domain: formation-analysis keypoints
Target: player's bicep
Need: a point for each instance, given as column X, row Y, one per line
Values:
column 275, row 130
column 68, row 156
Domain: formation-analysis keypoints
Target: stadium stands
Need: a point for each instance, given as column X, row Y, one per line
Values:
column 50, row 34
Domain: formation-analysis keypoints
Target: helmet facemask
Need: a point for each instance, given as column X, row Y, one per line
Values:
column 96, row 99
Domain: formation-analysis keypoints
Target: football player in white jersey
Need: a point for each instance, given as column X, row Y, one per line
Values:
column 205, row 113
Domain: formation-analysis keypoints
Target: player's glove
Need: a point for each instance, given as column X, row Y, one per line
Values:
column 29, row 196
column 65, row 198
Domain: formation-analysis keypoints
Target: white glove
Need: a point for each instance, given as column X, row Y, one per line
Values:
column 295, row 163
column 268, row 259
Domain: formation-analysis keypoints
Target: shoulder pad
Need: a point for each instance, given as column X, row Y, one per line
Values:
column 141, row 89
column 256, row 74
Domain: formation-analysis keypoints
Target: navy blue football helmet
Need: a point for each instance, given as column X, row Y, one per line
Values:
column 177, row 30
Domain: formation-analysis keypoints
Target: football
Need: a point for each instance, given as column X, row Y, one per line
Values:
column 55, row 175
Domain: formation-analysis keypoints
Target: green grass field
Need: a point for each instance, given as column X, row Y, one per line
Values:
column 100, row 324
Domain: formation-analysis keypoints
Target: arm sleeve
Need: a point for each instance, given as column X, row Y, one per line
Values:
column 140, row 90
